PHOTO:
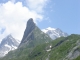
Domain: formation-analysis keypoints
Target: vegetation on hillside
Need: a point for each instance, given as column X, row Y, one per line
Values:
column 58, row 49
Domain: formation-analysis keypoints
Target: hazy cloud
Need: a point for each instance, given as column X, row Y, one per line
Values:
column 13, row 18
column 37, row 5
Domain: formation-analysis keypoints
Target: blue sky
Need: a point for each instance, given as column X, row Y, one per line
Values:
column 63, row 14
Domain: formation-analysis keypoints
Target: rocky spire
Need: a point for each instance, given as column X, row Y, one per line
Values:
column 29, row 28
column 33, row 36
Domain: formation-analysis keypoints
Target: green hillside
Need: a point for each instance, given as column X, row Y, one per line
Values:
column 36, row 45
column 59, row 50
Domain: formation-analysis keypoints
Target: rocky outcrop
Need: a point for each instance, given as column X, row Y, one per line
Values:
column 33, row 35
column 30, row 26
column 75, row 52
column 8, row 44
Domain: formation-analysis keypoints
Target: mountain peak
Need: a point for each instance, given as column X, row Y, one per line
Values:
column 47, row 29
column 50, row 28
column 30, row 21
column 30, row 26
column 54, row 32
column 8, row 44
column 33, row 35
column 9, row 36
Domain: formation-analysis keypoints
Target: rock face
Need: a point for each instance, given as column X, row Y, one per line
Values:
column 36, row 45
column 33, row 35
column 75, row 52
column 8, row 44
column 30, row 27
column 54, row 33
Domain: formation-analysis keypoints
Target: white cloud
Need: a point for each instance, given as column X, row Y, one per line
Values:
column 13, row 18
column 37, row 5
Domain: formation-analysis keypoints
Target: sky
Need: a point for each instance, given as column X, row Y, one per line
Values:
column 62, row 14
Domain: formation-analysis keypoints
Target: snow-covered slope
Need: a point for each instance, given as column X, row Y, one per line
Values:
column 54, row 32
column 8, row 44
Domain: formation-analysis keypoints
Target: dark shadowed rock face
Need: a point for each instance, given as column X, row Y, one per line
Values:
column 28, row 35
column 33, row 36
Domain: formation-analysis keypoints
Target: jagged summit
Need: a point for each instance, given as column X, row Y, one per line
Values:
column 30, row 21
column 54, row 32
column 33, row 35
column 8, row 44
column 47, row 29
column 29, row 28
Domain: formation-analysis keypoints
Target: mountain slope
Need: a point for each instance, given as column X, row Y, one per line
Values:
column 63, row 48
column 36, row 45
column 8, row 44
column 54, row 33
column 33, row 36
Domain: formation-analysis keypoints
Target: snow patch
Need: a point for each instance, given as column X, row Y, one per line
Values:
column 47, row 29
column 5, row 52
column 13, row 47
column 6, row 45
column 54, row 32
column 50, row 46
column 48, row 50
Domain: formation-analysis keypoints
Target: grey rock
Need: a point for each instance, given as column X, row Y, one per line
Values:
column 8, row 44
column 54, row 33
column 33, row 35
column 30, row 26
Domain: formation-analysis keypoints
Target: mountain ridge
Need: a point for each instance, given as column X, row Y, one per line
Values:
column 54, row 32
column 33, row 35
column 37, row 45
column 8, row 44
